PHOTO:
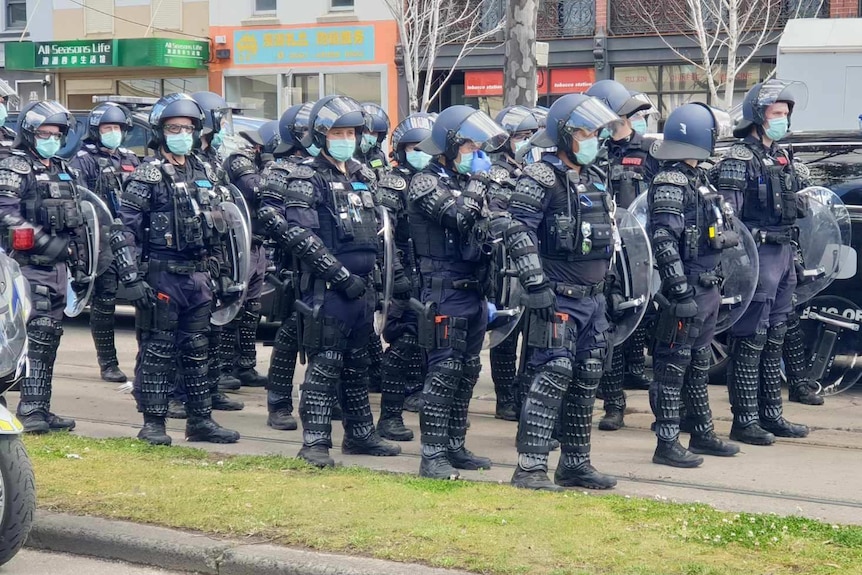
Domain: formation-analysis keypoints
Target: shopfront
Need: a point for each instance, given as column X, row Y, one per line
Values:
column 81, row 69
column 271, row 69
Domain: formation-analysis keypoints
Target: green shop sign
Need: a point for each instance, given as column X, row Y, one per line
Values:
column 129, row 53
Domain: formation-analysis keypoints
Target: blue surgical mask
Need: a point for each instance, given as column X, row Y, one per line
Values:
column 521, row 145
column 604, row 134
column 465, row 164
column 368, row 142
column 112, row 139
column 639, row 126
column 777, row 129
column 418, row 159
column 3, row 113
column 218, row 139
column 179, row 144
column 342, row 150
column 313, row 150
column 587, row 151
column 48, row 148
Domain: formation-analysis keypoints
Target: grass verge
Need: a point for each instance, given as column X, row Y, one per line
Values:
column 483, row 528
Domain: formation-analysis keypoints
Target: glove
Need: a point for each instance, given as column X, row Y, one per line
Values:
column 353, row 287
column 614, row 301
column 141, row 295
column 684, row 306
column 481, row 163
column 542, row 301
column 402, row 287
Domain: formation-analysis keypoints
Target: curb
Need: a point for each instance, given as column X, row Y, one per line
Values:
column 183, row 551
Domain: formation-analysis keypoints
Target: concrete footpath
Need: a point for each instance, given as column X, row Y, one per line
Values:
column 818, row 477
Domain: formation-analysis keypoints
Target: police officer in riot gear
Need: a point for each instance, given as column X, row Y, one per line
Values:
column 690, row 226
column 520, row 123
column 374, row 134
column 563, row 203
column 323, row 212
column 446, row 205
column 171, row 217
column 758, row 178
column 401, row 367
column 630, row 168
column 293, row 126
column 43, row 229
column 103, row 165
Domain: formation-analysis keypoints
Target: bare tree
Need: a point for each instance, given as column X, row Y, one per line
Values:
column 426, row 26
column 519, row 79
column 725, row 33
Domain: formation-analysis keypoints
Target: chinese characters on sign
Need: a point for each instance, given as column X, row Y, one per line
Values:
column 76, row 54
column 304, row 45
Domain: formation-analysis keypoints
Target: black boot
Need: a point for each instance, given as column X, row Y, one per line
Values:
column 503, row 360
column 413, row 402
column 743, row 382
column 153, row 431
column 536, row 480
column 250, row 377
column 35, row 422
column 752, row 434
column 227, row 382
column 316, row 455
column 463, row 458
column 801, row 392
column 612, row 421
column 672, row 453
column 796, row 365
column 177, row 409
column 613, row 395
column 392, row 427
column 583, row 475
column 437, row 466
column 57, row 423
column 205, row 429
column 710, row 444
column 282, row 419
column 369, row 445
column 783, row 428
column 769, row 398
column 395, row 363
column 114, row 374
column 221, row 402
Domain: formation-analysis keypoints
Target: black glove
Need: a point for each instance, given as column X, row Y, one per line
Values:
column 684, row 306
column 401, row 287
column 353, row 287
column 141, row 295
column 542, row 301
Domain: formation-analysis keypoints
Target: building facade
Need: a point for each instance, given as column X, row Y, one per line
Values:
column 87, row 48
column 273, row 54
column 30, row 84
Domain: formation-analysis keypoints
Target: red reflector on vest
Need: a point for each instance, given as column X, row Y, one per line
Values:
column 127, row 168
column 23, row 239
column 781, row 160
column 633, row 161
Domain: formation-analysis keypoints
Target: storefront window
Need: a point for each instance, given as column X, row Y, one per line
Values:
column 361, row 86
column 642, row 78
column 186, row 85
column 258, row 95
column 140, row 88
column 303, row 88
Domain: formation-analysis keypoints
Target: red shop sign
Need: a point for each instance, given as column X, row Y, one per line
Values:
column 572, row 80
column 483, row 83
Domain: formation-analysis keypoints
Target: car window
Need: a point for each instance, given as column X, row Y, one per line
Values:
column 137, row 139
column 838, row 168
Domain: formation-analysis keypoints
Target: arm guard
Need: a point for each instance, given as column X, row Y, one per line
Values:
column 670, row 269
column 438, row 203
column 668, row 198
column 288, row 189
column 529, row 193
column 305, row 245
column 522, row 251
column 389, row 193
column 124, row 254
column 237, row 166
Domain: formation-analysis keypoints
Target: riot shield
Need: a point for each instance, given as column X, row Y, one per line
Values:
column 847, row 259
column 819, row 245
column 14, row 312
column 106, row 256
column 639, row 208
column 387, row 236
column 505, row 314
column 237, row 198
column 832, row 331
column 739, row 269
column 79, row 288
column 238, row 254
column 633, row 269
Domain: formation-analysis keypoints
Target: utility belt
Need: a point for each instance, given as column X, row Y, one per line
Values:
column 779, row 238
column 435, row 284
column 706, row 279
column 578, row 291
column 184, row 268
column 24, row 259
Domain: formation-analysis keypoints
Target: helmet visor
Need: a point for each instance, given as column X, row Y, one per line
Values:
column 519, row 119
column 223, row 121
column 411, row 123
column 723, row 123
column 590, row 115
column 774, row 91
column 642, row 104
column 343, row 111
column 480, row 129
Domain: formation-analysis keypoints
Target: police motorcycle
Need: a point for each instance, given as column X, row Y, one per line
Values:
column 17, row 486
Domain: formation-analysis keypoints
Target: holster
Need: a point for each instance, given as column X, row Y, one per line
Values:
column 554, row 334
column 317, row 330
column 156, row 317
column 672, row 330
column 439, row 331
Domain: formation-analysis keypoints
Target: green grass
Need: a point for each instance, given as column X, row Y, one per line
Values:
column 479, row 527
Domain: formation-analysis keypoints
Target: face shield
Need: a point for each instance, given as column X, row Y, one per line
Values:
column 483, row 131
column 772, row 91
column 414, row 122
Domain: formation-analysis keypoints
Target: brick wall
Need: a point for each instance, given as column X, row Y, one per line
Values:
column 843, row 8
column 601, row 15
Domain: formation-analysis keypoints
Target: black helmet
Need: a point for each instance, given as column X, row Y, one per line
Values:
column 376, row 120
column 286, row 129
column 763, row 95
column 174, row 106
column 458, row 124
column 43, row 113
column 690, row 133
column 108, row 113
column 516, row 119
column 333, row 112
column 618, row 98
column 217, row 114
column 412, row 130
column 568, row 114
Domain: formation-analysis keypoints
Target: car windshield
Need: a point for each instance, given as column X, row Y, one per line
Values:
column 837, row 167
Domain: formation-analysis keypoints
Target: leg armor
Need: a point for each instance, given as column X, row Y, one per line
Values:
column 102, row 327
column 155, row 378
column 694, row 392
column 634, row 358
column 437, row 397
column 395, row 364
column 665, row 393
column 214, row 336
column 461, row 402
column 318, row 396
column 743, row 377
column 358, row 421
column 417, row 371
column 796, row 365
column 247, row 334
column 279, row 390
column 540, row 412
column 578, row 412
column 375, row 357
column 194, row 369
column 769, row 392
column 503, row 368
column 43, row 337
column 611, row 385
column 226, row 356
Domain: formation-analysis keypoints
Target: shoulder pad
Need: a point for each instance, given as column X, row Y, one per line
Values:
column 82, row 152
column 654, row 147
column 542, row 173
column 672, row 177
column 302, row 172
column 148, row 173
column 368, row 174
column 498, row 173
column 16, row 164
column 802, row 170
column 239, row 164
column 394, row 182
column 740, row 152
column 422, row 184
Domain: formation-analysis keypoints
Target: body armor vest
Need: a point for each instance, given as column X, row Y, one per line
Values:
column 54, row 202
column 707, row 229
column 109, row 182
column 188, row 220
column 578, row 225
column 770, row 199
column 348, row 222
column 627, row 173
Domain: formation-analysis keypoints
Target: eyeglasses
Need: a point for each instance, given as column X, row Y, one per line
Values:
column 177, row 128
column 45, row 134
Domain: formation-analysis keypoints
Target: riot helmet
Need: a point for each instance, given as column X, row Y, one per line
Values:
column 218, row 117
column 7, row 94
column 376, row 121
column 333, row 112
column 38, row 114
column 412, row 130
column 458, row 124
column 541, row 114
column 266, row 137
column 174, row 106
column 287, row 129
column 690, row 133
column 763, row 95
column 569, row 114
column 108, row 113
column 519, row 122
column 618, row 98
